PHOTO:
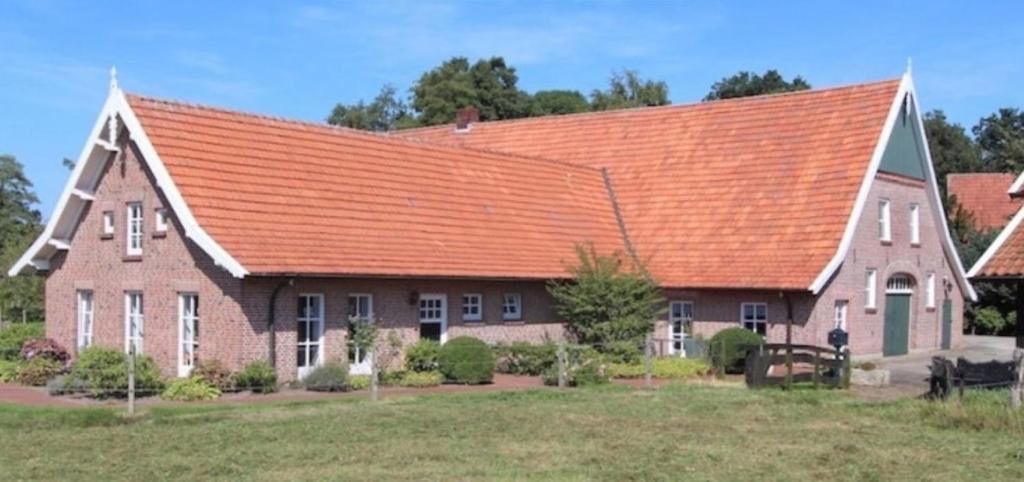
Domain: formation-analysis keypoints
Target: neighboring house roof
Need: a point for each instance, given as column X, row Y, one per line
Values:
column 984, row 195
column 290, row 197
column 754, row 192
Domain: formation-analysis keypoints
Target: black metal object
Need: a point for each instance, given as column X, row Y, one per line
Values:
column 945, row 376
column 838, row 338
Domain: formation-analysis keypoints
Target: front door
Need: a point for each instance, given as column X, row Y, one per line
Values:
column 434, row 317
column 896, row 336
column 947, row 324
column 360, row 312
column 310, row 334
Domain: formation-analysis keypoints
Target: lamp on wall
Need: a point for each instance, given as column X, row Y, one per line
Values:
column 414, row 297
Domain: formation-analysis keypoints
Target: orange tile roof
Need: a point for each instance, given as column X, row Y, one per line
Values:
column 984, row 195
column 1007, row 260
column 744, row 193
column 290, row 197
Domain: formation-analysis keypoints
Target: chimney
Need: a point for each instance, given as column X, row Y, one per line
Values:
column 465, row 117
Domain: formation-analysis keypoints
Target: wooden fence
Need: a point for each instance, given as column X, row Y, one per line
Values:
column 796, row 364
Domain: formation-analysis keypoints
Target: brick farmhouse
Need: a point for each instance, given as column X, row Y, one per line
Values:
column 193, row 232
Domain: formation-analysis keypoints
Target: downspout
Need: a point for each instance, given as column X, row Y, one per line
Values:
column 271, row 328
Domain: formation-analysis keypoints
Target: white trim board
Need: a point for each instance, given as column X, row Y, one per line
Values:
column 70, row 207
column 998, row 243
column 906, row 88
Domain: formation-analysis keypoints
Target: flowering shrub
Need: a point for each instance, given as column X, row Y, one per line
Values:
column 45, row 348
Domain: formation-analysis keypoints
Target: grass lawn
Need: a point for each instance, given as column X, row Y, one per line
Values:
column 613, row 433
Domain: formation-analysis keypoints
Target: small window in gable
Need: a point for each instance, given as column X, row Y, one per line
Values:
column 884, row 221
column 512, row 307
column 930, row 291
column 161, row 220
column 915, row 224
column 134, row 231
column 108, row 224
column 870, row 289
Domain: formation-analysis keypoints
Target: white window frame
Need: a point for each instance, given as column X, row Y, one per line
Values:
column 915, row 224
column 86, row 317
column 108, row 223
column 134, row 315
column 885, row 220
column 134, row 230
column 426, row 315
column 754, row 322
column 472, row 301
column 512, row 311
column 840, row 314
column 355, row 366
column 929, row 293
column 188, row 317
column 305, row 345
column 161, row 220
column 871, row 289
column 683, row 318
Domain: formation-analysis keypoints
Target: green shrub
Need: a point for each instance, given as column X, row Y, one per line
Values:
column 666, row 368
column 422, row 356
column 45, row 348
column 14, row 337
column 392, row 378
column 104, row 373
column 421, row 379
column 192, row 389
column 38, row 371
column 466, row 360
column 57, row 385
column 521, row 358
column 586, row 374
column 9, row 370
column 329, row 377
column 728, row 348
column 258, row 376
column 358, row 382
column 215, row 373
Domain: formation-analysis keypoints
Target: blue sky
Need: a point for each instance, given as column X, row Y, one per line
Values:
column 297, row 59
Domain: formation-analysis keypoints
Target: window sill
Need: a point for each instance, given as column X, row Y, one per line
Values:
column 513, row 321
column 159, row 234
column 871, row 310
column 132, row 258
column 885, row 242
column 929, row 309
column 915, row 245
column 106, row 236
column 473, row 322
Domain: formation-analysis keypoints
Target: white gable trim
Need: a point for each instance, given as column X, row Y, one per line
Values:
column 998, row 243
column 1017, row 185
column 72, row 204
column 906, row 87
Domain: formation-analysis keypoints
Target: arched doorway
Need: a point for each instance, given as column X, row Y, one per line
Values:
column 899, row 290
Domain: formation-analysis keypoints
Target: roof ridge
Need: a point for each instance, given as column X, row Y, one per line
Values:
column 383, row 136
column 753, row 98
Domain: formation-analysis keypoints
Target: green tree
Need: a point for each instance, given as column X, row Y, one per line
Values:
column 20, row 296
column 490, row 85
column 952, row 150
column 606, row 304
column 386, row 113
column 626, row 89
column 554, row 102
column 745, row 84
column 988, row 320
column 1000, row 138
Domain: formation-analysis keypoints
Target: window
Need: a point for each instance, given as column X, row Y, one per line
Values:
column 884, row 221
column 188, row 326
column 134, row 229
column 755, row 317
column 310, row 332
column 870, row 289
column 360, row 307
column 472, row 307
column 929, row 292
column 434, row 317
column 360, row 313
column 915, row 224
column 840, row 314
column 161, row 220
column 680, row 321
column 108, row 223
column 512, row 307
column 85, row 317
column 134, row 322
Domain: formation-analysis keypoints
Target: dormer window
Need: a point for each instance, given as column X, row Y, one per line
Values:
column 134, row 231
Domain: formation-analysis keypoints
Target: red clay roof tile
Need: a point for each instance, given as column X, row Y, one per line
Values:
column 984, row 195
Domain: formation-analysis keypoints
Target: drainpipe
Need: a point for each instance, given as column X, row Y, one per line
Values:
column 271, row 329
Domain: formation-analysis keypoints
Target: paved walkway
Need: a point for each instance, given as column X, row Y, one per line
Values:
column 913, row 369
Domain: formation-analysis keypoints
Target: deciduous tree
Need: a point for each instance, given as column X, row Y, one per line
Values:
column 745, row 84
column 626, row 89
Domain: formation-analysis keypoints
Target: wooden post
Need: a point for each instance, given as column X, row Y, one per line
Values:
column 648, row 361
column 817, row 366
column 1017, row 391
column 562, row 375
column 374, row 374
column 846, row 369
column 131, row 378
column 789, row 343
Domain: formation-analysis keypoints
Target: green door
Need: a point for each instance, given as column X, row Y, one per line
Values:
column 947, row 324
column 897, row 324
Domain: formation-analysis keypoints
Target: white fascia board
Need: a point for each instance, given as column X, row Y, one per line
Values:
column 865, row 189
column 117, row 104
column 60, row 244
column 1017, row 185
column 998, row 243
column 85, row 196
column 193, row 230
